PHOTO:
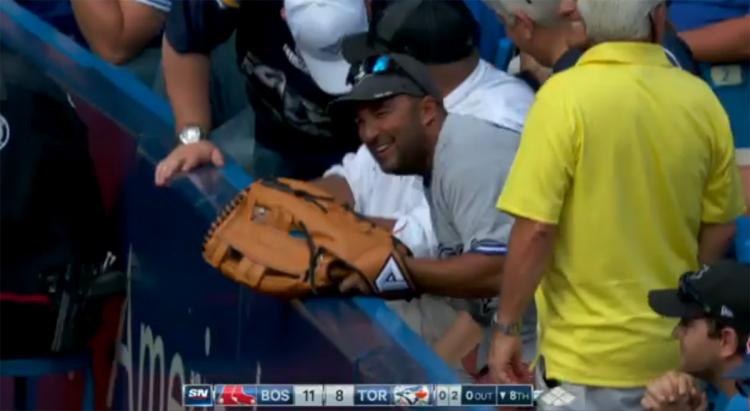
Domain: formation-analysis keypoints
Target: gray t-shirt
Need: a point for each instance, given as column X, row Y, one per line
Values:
column 472, row 160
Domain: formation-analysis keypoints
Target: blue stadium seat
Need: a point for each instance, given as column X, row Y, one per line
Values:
column 505, row 51
column 742, row 240
column 491, row 29
column 26, row 372
column 731, row 83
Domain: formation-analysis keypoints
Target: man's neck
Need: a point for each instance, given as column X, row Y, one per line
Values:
column 433, row 136
column 450, row 75
column 556, row 55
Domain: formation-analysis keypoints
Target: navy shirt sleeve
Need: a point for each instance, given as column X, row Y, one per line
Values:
column 198, row 26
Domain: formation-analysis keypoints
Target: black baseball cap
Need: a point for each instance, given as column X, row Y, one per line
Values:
column 384, row 76
column 432, row 31
column 720, row 291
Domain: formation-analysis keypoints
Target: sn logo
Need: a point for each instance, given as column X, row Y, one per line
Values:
column 197, row 396
column 198, row 393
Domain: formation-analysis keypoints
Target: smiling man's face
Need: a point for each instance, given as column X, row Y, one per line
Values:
column 393, row 131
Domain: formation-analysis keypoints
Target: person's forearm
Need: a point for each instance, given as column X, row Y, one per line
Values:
column 724, row 42
column 714, row 241
column 338, row 187
column 384, row 223
column 469, row 275
column 117, row 30
column 101, row 23
column 187, row 77
column 530, row 248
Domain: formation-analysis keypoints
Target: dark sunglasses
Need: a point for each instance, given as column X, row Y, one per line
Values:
column 377, row 65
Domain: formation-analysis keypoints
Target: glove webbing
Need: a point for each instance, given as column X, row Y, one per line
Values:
column 310, row 197
column 315, row 252
column 298, row 193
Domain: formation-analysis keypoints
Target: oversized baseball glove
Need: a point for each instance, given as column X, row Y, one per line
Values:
column 290, row 238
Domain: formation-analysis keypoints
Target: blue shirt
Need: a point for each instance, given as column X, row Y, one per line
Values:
column 737, row 403
column 58, row 14
column 718, row 401
column 693, row 14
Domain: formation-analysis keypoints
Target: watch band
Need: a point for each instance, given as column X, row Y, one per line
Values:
column 512, row 329
column 191, row 134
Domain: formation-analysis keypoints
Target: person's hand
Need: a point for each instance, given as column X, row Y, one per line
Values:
column 673, row 391
column 350, row 282
column 185, row 158
column 506, row 366
column 681, row 404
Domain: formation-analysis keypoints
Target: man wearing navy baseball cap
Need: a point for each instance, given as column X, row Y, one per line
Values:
column 463, row 162
column 713, row 306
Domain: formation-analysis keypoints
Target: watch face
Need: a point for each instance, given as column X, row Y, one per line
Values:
column 190, row 135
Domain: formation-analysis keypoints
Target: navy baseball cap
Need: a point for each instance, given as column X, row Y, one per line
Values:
column 385, row 76
column 720, row 291
column 432, row 31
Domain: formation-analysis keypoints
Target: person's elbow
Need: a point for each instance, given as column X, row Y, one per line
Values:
column 115, row 49
column 536, row 231
column 490, row 270
column 715, row 240
column 114, row 53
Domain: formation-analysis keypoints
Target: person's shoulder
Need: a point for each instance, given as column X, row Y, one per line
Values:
column 694, row 88
column 499, row 98
column 496, row 80
column 469, row 140
column 460, row 126
column 566, row 81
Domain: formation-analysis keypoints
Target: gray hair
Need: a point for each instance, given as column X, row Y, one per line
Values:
column 543, row 12
column 617, row 20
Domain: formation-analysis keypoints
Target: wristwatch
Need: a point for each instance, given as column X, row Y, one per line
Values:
column 191, row 134
column 512, row 329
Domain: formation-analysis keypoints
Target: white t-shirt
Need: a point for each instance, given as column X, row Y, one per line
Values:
column 489, row 94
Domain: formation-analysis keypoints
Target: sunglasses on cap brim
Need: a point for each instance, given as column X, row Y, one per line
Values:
column 378, row 65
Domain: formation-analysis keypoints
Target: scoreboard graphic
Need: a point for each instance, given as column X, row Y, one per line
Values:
column 311, row 395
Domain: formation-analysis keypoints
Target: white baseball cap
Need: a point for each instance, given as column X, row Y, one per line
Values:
column 318, row 28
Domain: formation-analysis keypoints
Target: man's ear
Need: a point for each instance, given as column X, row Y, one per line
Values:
column 525, row 25
column 729, row 342
column 429, row 108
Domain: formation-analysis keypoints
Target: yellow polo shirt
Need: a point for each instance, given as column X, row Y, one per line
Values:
column 627, row 156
